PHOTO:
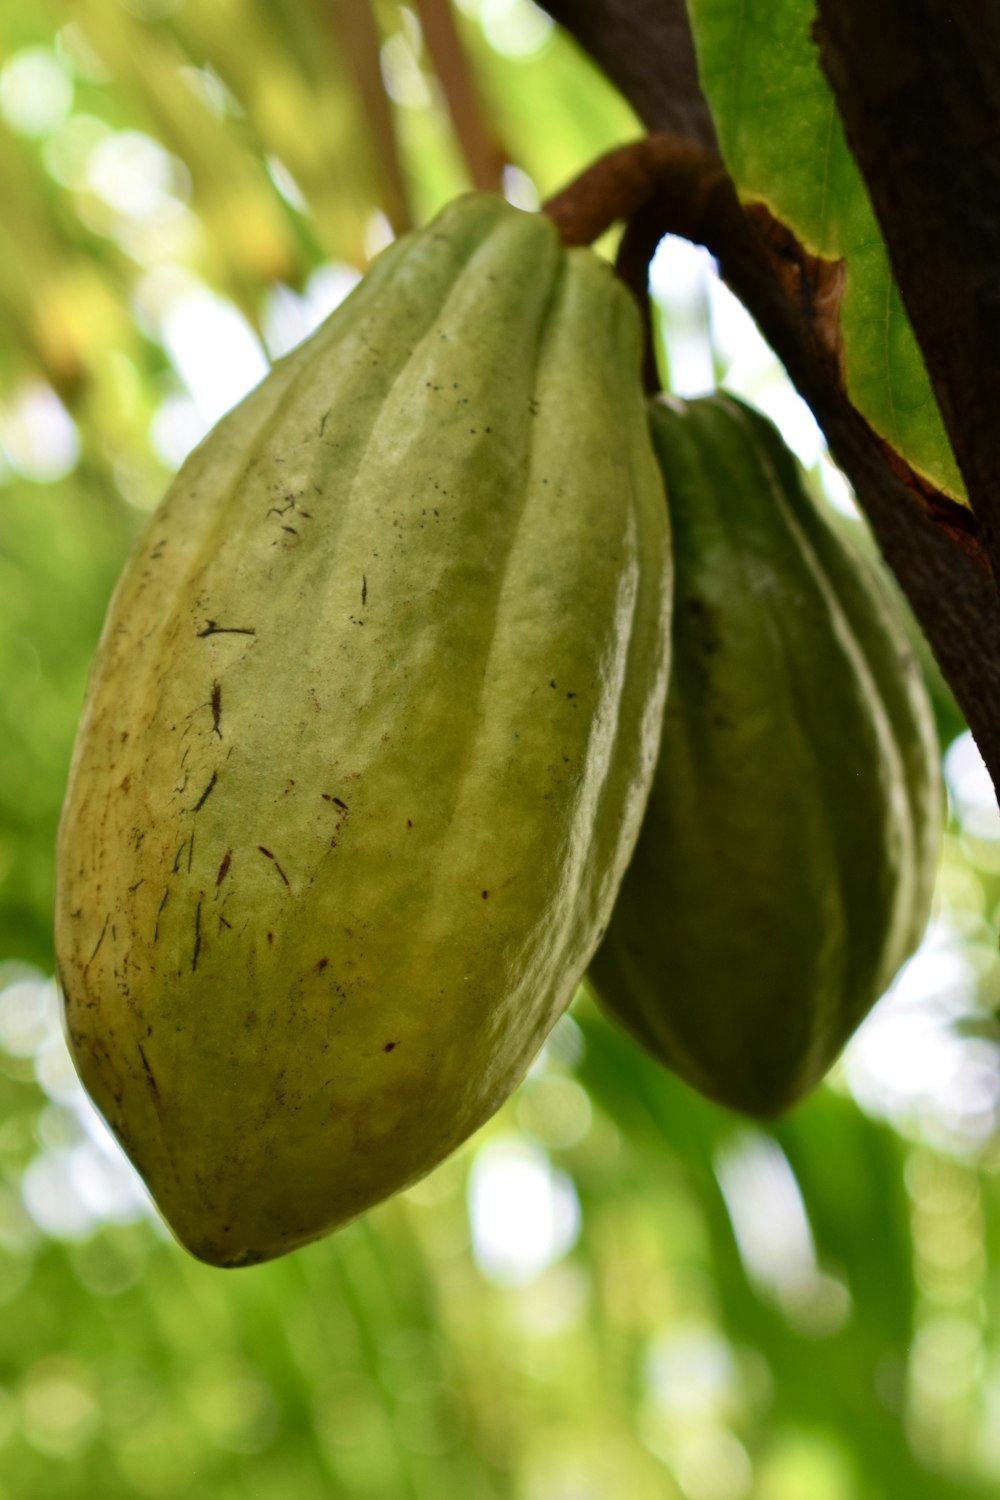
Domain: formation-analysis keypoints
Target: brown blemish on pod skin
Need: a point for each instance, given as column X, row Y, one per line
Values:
column 197, row 935
column 268, row 855
column 212, row 628
column 206, row 793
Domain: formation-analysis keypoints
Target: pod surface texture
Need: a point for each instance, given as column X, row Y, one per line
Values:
column 368, row 739
column 786, row 861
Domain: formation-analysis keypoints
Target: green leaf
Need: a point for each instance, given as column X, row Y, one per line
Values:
column 783, row 143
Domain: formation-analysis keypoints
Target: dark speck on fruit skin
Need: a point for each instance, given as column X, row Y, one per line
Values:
column 268, row 855
column 197, row 935
column 206, row 793
column 388, row 1046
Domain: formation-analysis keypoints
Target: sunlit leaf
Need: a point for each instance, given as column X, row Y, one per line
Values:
column 783, row 143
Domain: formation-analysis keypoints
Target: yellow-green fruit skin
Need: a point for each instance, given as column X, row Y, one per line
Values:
column 368, row 738
column 786, row 862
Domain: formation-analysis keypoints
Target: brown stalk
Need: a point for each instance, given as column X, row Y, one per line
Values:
column 484, row 156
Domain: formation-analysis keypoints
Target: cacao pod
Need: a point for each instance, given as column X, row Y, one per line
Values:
column 368, row 738
column 786, row 861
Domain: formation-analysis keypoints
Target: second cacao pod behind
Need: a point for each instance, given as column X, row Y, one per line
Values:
column 786, row 861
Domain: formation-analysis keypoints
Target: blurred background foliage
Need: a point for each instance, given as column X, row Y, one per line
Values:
column 616, row 1289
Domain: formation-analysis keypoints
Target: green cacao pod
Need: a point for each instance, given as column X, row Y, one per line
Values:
column 368, row 738
column 786, row 861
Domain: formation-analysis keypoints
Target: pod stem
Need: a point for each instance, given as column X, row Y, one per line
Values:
column 678, row 174
column 657, row 185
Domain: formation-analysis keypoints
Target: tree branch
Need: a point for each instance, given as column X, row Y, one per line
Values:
column 647, row 50
column 484, row 156
column 918, row 88
column 932, row 544
column 937, row 550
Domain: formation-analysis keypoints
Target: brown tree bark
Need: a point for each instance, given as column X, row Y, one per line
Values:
column 918, row 88
column 647, row 50
column 940, row 552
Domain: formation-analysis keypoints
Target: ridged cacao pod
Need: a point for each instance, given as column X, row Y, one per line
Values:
column 368, row 738
column 786, row 861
